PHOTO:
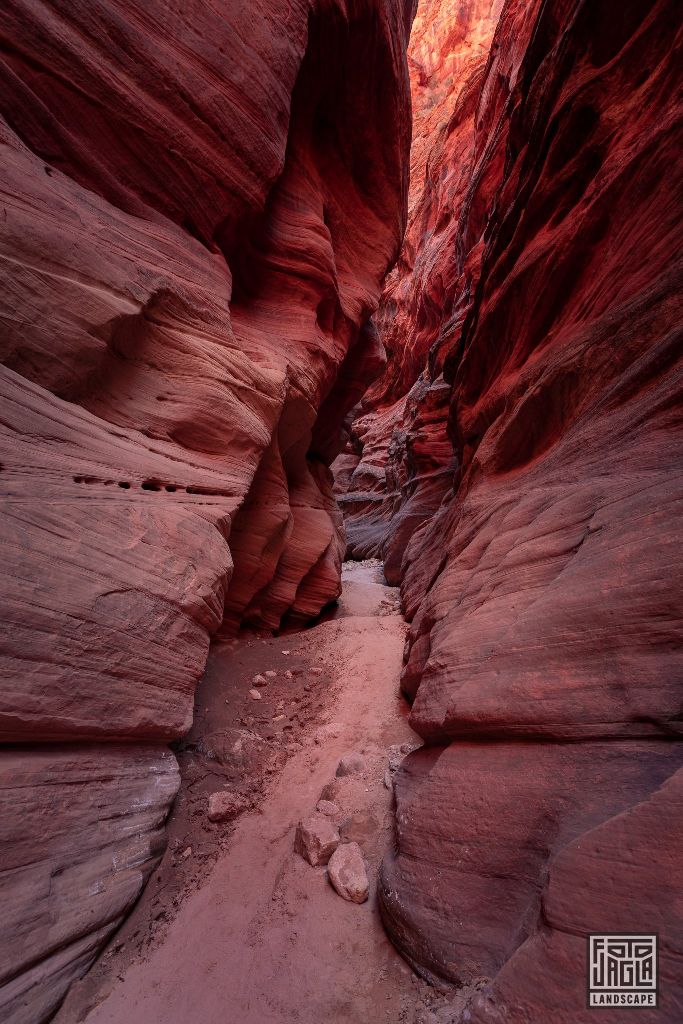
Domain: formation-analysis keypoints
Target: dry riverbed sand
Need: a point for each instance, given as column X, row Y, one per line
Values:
column 235, row 927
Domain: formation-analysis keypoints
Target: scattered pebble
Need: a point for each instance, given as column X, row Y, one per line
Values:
column 316, row 839
column 346, row 871
column 285, row 652
column 289, row 674
column 316, row 671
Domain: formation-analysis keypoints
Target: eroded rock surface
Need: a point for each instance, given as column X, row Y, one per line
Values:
column 347, row 873
column 189, row 251
column 518, row 467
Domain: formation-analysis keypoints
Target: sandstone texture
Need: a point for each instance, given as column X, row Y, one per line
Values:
column 190, row 248
column 316, row 839
column 225, row 806
column 519, row 469
column 81, row 828
column 347, row 873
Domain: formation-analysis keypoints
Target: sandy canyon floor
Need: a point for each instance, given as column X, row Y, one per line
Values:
column 234, row 926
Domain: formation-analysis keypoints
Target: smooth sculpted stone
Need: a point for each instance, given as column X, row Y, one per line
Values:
column 189, row 254
column 316, row 839
column 348, row 874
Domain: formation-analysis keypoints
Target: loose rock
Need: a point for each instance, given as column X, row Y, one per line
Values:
column 260, row 680
column 328, row 808
column 316, row 839
column 270, row 674
column 255, row 695
column 351, row 764
column 330, row 791
column 359, row 828
column 347, row 873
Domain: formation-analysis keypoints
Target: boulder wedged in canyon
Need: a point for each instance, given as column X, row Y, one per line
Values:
column 190, row 250
column 539, row 285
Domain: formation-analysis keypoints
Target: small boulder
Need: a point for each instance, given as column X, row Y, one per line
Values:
column 255, row 695
column 316, row 839
column 328, row 808
column 330, row 791
column 350, row 764
column 359, row 828
column 346, row 871
column 270, row 674
column 225, row 806
column 260, row 680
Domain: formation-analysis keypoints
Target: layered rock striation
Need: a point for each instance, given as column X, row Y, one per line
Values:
column 519, row 467
column 198, row 206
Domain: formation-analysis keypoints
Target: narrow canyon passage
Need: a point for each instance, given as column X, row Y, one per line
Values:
column 287, row 283
column 260, row 936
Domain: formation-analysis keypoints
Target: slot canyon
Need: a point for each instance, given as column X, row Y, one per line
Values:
column 340, row 509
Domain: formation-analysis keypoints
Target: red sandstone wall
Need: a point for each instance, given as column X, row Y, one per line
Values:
column 198, row 205
column 519, row 467
column 400, row 457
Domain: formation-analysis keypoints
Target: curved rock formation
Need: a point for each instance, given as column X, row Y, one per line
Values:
column 519, row 467
column 399, row 458
column 199, row 203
